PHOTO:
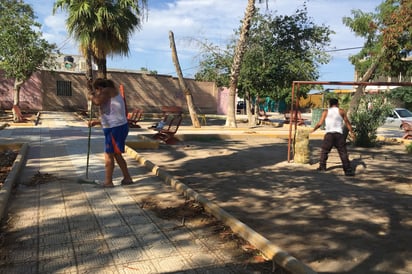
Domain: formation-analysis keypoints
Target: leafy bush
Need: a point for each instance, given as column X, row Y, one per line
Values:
column 370, row 115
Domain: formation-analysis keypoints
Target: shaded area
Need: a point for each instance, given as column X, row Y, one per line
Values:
column 7, row 158
column 333, row 223
column 193, row 216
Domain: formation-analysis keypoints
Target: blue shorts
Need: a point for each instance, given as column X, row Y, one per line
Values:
column 115, row 138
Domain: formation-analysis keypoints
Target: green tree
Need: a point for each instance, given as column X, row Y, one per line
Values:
column 279, row 49
column 371, row 114
column 102, row 28
column 215, row 64
column 388, row 36
column 152, row 72
column 22, row 50
column 403, row 94
column 282, row 49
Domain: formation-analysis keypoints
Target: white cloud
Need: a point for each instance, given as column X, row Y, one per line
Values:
column 211, row 20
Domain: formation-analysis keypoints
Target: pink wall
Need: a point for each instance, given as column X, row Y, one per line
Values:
column 30, row 93
column 222, row 100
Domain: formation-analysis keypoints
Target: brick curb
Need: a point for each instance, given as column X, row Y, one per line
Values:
column 10, row 181
column 270, row 250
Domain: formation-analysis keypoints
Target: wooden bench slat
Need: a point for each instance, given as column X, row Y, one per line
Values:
column 134, row 118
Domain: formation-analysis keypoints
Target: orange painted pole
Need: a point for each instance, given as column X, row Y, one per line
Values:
column 121, row 88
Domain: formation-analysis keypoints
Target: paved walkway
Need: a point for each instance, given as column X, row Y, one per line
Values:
column 56, row 225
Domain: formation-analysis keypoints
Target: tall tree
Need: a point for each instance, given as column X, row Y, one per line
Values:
column 237, row 62
column 279, row 50
column 215, row 64
column 185, row 89
column 102, row 27
column 22, row 48
column 388, row 37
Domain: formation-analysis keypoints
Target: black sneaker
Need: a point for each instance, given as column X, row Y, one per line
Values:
column 321, row 169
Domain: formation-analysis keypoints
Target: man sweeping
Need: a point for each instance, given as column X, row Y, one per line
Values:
column 115, row 127
column 334, row 118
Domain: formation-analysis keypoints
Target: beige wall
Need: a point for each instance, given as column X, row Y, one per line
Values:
column 62, row 103
column 148, row 92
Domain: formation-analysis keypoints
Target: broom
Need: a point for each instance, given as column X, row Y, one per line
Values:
column 87, row 180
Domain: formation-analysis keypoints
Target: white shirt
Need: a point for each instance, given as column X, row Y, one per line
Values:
column 113, row 112
column 333, row 121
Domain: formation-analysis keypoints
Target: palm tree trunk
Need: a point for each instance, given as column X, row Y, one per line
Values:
column 237, row 62
column 101, row 68
column 186, row 91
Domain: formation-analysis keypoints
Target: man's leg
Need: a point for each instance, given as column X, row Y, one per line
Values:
column 326, row 147
column 343, row 154
column 109, row 167
column 119, row 135
column 127, row 179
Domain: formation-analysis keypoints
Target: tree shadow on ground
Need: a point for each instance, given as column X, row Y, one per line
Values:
column 329, row 221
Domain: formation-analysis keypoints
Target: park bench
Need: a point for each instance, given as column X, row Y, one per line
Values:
column 295, row 117
column 407, row 127
column 262, row 117
column 172, row 117
column 134, row 117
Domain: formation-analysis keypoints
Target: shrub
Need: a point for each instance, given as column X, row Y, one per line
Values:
column 370, row 115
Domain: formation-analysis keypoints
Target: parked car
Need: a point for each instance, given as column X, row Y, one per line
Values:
column 397, row 116
column 241, row 108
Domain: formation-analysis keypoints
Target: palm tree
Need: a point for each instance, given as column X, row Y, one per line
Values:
column 237, row 62
column 102, row 27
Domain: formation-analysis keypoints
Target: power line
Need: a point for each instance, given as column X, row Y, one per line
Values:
column 331, row 50
column 334, row 50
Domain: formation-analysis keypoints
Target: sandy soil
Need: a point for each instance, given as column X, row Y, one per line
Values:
column 333, row 223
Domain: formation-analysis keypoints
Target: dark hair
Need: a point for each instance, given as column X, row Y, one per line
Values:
column 103, row 83
column 333, row 102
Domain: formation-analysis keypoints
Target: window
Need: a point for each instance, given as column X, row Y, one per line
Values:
column 64, row 88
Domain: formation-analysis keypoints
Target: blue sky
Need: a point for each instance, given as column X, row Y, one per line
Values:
column 208, row 20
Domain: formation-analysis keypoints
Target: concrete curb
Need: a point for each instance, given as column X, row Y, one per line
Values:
column 270, row 250
column 11, row 179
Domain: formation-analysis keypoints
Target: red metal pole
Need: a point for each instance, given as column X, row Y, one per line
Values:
column 290, row 122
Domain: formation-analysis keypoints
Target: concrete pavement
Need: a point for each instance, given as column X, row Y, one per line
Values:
column 56, row 225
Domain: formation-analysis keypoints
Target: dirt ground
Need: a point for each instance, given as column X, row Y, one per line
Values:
column 7, row 157
column 333, row 223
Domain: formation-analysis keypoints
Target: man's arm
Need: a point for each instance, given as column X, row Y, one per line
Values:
column 347, row 122
column 321, row 121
